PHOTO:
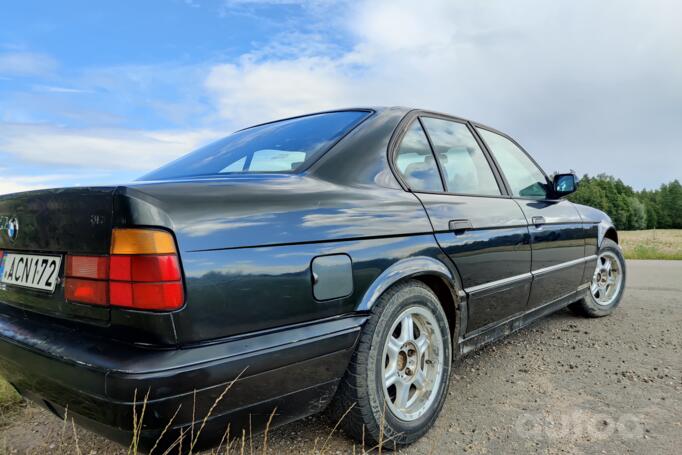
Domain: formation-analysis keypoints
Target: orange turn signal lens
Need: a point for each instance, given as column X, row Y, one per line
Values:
column 141, row 241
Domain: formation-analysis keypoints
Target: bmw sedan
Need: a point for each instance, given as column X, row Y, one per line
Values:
column 344, row 259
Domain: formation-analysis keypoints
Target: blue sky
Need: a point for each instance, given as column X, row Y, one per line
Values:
column 100, row 92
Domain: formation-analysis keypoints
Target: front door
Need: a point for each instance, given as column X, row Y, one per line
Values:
column 557, row 233
column 482, row 231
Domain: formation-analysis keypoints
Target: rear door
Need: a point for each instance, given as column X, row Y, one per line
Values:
column 481, row 229
column 557, row 234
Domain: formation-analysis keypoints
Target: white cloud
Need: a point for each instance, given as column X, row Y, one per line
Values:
column 57, row 89
column 100, row 149
column 592, row 86
column 25, row 64
column 255, row 92
column 14, row 184
column 571, row 80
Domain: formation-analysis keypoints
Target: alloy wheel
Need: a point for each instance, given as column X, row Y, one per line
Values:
column 607, row 278
column 412, row 363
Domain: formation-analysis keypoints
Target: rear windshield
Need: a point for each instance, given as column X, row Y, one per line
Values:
column 283, row 146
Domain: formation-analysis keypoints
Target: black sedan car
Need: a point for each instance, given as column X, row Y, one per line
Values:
column 344, row 257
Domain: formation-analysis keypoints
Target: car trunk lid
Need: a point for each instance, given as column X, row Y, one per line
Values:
column 52, row 224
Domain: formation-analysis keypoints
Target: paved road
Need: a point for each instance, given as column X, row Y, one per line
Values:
column 564, row 385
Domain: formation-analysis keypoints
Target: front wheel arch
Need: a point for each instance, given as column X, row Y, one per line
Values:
column 589, row 305
column 611, row 234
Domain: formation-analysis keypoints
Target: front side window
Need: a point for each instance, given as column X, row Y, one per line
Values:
column 415, row 162
column 523, row 176
column 465, row 168
column 283, row 146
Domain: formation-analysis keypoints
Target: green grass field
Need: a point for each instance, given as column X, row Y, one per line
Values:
column 652, row 244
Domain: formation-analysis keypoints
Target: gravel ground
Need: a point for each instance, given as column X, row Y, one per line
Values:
column 564, row 385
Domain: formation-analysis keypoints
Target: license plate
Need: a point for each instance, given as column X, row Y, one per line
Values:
column 30, row 270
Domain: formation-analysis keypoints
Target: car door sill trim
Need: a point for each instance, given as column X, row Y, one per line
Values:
column 479, row 337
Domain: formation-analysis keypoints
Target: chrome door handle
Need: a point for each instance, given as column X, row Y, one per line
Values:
column 459, row 226
column 538, row 220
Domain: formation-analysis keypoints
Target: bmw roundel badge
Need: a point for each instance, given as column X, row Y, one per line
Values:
column 12, row 228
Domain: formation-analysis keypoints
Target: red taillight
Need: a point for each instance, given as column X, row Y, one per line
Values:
column 86, row 291
column 147, row 296
column 146, row 281
column 121, row 293
column 145, row 268
column 119, row 268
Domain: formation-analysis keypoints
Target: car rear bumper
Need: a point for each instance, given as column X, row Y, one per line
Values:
column 292, row 372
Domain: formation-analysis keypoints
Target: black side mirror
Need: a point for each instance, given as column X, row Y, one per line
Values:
column 564, row 184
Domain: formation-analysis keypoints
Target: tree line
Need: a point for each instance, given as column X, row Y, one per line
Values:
column 630, row 209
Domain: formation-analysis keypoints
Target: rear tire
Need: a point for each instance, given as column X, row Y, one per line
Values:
column 607, row 285
column 397, row 380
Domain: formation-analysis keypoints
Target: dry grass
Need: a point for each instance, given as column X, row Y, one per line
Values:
column 67, row 442
column 10, row 402
column 652, row 244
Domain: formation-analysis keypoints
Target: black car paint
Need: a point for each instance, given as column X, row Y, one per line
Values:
column 495, row 249
column 246, row 244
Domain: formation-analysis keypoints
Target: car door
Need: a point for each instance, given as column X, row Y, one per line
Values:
column 483, row 231
column 557, row 233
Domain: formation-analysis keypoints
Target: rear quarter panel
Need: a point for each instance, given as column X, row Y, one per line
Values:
column 246, row 290
column 246, row 247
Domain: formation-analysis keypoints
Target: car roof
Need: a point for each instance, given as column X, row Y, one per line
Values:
column 378, row 110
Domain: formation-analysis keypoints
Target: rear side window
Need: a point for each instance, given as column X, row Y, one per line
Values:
column 523, row 176
column 283, row 146
column 415, row 161
column 465, row 168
